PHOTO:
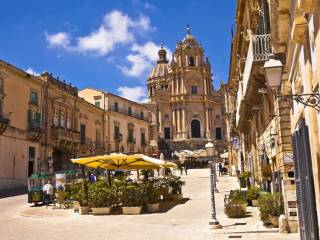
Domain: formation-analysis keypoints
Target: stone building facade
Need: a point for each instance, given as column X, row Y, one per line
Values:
column 126, row 122
column 186, row 110
column 43, row 124
column 274, row 133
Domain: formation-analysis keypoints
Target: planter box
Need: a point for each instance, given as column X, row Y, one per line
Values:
column 255, row 203
column 153, row 207
column 176, row 197
column 83, row 210
column 275, row 221
column 101, row 211
column 131, row 210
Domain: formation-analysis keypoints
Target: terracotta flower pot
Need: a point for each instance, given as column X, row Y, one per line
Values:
column 153, row 207
column 255, row 203
column 83, row 210
column 131, row 210
column 101, row 211
column 275, row 221
column 176, row 197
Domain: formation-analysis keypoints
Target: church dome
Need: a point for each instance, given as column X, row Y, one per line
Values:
column 162, row 67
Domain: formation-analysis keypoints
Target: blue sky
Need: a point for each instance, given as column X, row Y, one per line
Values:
column 110, row 44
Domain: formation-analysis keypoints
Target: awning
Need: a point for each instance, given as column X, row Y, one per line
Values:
column 123, row 162
column 224, row 155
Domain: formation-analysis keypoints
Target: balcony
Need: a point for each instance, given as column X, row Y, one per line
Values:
column 252, row 78
column 4, row 122
column 61, row 134
column 86, row 145
column 35, row 131
column 126, row 112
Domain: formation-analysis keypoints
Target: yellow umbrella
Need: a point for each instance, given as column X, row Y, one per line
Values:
column 123, row 162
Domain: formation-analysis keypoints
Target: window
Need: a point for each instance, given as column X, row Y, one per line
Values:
column 166, row 116
column 34, row 117
column 141, row 115
column 194, row 90
column 116, row 133
column 82, row 134
column 32, row 153
column 1, row 85
column 34, row 98
column 97, row 103
column 68, row 122
column 217, row 116
column 98, row 137
column 56, row 119
column 166, row 87
column 116, row 106
column 129, row 111
column 130, row 135
column 143, row 139
column 191, row 61
column 218, row 133
column 62, row 120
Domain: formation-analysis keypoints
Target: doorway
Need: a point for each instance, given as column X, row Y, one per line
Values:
column 195, row 129
column 167, row 134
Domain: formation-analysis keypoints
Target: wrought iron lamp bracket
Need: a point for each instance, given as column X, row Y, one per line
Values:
column 310, row 100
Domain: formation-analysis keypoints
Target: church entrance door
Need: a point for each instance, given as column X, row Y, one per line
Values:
column 195, row 129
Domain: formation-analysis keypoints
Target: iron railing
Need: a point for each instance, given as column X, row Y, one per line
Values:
column 261, row 47
column 126, row 112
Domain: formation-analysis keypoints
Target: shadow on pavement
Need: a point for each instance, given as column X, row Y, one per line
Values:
column 13, row 192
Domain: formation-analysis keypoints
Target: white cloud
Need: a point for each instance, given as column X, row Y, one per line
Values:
column 60, row 39
column 116, row 28
column 142, row 59
column 31, row 71
column 137, row 94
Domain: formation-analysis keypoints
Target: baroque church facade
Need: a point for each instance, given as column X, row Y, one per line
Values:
column 186, row 110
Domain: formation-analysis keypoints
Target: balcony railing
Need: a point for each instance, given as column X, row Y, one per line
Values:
column 65, row 134
column 35, row 126
column 261, row 47
column 126, row 112
column 4, row 118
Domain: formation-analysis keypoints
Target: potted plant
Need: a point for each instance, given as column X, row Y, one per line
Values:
column 243, row 179
column 79, row 195
column 253, row 195
column 101, row 198
column 152, row 197
column 271, row 207
column 132, row 199
column 266, row 171
column 176, row 184
column 235, row 209
column 60, row 195
column 162, row 186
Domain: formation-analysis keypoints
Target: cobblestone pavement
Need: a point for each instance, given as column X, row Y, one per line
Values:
column 188, row 220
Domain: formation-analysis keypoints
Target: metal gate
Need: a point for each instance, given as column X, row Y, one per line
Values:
column 308, row 221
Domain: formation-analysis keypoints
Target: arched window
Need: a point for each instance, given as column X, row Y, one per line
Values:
column 191, row 61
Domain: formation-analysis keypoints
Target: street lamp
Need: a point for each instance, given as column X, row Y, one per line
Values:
column 273, row 73
column 213, row 220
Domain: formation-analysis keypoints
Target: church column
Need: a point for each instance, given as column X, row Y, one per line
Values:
column 205, row 86
column 173, row 122
column 178, row 122
column 172, row 85
column 187, row 61
column 182, row 86
column 160, row 121
column 197, row 62
column 183, row 123
column 207, row 123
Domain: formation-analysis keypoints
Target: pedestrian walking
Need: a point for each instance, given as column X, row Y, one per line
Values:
column 220, row 169
column 186, row 169
column 48, row 193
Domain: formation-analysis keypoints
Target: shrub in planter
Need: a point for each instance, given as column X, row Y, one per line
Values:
column 235, row 209
column 78, row 194
column 175, row 184
column 101, row 198
column 253, row 195
column 162, row 186
column 132, row 199
column 266, row 171
column 238, row 196
column 152, row 197
column 271, row 207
